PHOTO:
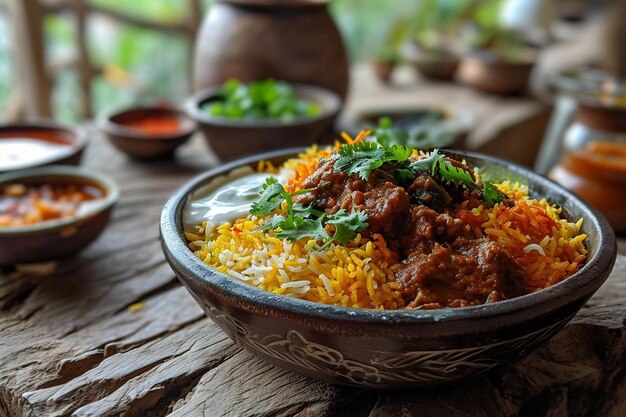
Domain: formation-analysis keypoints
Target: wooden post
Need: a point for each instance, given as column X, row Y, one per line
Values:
column 194, row 8
column 83, row 62
column 32, row 76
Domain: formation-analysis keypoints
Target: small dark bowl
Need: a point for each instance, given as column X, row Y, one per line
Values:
column 61, row 238
column 48, row 131
column 435, row 64
column 489, row 74
column 459, row 125
column 140, row 145
column 393, row 348
column 234, row 138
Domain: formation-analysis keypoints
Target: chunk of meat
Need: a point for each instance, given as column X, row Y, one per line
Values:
column 386, row 204
column 425, row 190
column 468, row 272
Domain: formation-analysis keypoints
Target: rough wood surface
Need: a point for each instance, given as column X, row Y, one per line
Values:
column 112, row 333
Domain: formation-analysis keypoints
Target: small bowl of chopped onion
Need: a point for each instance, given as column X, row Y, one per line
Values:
column 52, row 212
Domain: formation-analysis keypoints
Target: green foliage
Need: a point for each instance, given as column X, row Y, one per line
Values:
column 429, row 134
column 364, row 157
column 491, row 194
column 259, row 100
column 437, row 19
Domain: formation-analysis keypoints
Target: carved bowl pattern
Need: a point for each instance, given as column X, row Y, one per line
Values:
column 389, row 349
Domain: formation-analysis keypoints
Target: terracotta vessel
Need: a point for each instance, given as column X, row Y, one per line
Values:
column 435, row 64
column 234, row 138
column 489, row 74
column 61, row 238
column 140, row 145
column 48, row 131
column 290, row 40
column 383, row 70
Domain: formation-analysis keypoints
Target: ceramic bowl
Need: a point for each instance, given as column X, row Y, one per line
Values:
column 389, row 349
column 234, row 138
column 457, row 124
column 141, row 145
column 435, row 64
column 55, row 239
column 46, row 131
column 485, row 72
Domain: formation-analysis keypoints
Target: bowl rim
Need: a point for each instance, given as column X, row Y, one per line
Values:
column 192, row 106
column 78, row 145
column 62, row 171
column 590, row 276
column 104, row 122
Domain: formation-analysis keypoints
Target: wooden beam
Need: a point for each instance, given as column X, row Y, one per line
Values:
column 28, row 46
column 84, row 66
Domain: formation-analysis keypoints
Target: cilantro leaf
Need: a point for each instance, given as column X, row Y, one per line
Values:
column 295, row 228
column 364, row 157
column 404, row 176
column 271, row 223
column 453, row 174
column 271, row 198
column 491, row 194
column 428, row 164
column 347, row 225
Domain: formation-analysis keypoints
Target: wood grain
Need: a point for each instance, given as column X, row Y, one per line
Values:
column 111, row 333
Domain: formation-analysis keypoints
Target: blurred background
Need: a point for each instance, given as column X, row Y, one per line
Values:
column 537, row 82
column 143, row 48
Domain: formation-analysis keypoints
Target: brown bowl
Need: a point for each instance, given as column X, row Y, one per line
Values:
column 61, row 238
column 433, row 64
column 233, row 138
column 488, row 74
column 50, row 132
column 459, row 125
column 392, row 348
column 139, row 144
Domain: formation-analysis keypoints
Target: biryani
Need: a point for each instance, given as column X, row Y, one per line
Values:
column 376, row 226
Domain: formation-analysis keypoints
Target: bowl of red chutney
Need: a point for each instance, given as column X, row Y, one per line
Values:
column 147, row 132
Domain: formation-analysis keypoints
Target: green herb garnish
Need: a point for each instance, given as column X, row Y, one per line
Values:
column 431, row 132
column 364, row 157
column 259, row 100
column 491, row 194
column 305, row 221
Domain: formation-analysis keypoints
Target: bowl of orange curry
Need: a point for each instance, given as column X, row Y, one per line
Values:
column 52, row 212
column 147, row 132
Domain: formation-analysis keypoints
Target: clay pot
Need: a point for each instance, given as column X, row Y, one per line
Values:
column 434, row 64
column 61, row 238
column 234, row 138
column 487, row 73
column 383, row 70
column 399, row 349
column 140, row 145
column 48, row 131
column 291, row 40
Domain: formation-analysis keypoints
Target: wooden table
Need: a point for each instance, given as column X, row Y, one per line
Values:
column 112, row 333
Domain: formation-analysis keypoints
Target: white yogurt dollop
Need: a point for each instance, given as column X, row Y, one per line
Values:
column 224, row 200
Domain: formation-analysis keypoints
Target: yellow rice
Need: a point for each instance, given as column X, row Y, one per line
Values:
column 358, row 274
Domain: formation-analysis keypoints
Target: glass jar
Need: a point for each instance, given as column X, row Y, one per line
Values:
column 593, row 162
